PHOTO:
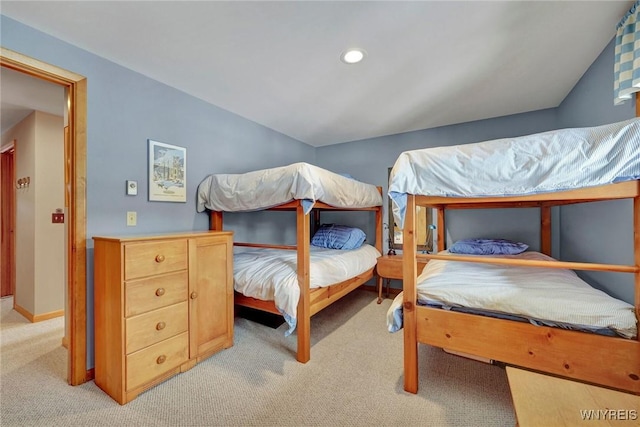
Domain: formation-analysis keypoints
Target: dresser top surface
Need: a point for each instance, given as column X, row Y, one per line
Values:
column 163, row 236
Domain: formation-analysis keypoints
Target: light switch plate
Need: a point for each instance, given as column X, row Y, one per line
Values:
column 132, row 219
column 132, row 188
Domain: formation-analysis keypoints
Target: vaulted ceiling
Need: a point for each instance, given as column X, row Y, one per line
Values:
column 427, row 64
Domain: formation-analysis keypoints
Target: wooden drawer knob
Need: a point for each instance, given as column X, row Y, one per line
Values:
column 194, row 295
column 161, row 359
column 160, row 292
column 160, row 326
column 159, row 258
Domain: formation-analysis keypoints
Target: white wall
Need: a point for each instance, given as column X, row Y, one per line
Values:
column 24, row 166
column 40, row 266
column 49, row 249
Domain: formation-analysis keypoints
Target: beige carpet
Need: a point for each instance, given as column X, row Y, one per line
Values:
column 354, row 378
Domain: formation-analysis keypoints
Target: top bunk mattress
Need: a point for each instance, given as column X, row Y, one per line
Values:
column 267, row 188
column 557, row 160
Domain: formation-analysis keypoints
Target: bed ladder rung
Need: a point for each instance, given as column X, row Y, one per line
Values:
column 537, row 263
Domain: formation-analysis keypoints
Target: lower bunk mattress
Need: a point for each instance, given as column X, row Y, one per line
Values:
column 271, row 274
column 541, row 296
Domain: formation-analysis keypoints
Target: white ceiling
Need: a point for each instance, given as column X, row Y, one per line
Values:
column 22, row 94
column 428, row 63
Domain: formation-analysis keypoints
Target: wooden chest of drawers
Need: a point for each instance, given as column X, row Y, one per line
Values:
column 161, row 304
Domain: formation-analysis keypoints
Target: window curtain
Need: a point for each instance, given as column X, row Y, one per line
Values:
column 626, row 67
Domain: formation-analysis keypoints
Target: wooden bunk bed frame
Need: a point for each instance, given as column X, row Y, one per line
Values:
column 606, row 361
column 311, row 300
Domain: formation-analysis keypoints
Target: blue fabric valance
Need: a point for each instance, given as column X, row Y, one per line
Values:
column 626, row 67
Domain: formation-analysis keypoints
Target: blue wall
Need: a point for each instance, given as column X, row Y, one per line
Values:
column 370, row 159
column 602, row 231
column 125, row 109
column 594, row 232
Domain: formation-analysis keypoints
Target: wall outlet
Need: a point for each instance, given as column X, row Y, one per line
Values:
column 57, row 218
column 132, row 219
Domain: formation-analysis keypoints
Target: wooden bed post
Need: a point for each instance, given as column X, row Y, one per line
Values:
column 379, row 229
column 409, row 274
column 636, row 256
column 440, row 229
column 215, row 221
column 304, row 311
column 545, row 230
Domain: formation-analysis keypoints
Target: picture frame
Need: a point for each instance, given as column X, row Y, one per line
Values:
column 167, row 172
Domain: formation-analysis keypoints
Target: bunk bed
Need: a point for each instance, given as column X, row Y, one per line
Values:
column 544, row 170
column 321, row 275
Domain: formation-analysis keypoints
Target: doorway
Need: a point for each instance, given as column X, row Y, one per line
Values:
column 75, row 161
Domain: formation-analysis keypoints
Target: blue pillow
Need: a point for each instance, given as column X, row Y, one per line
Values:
column 488, row 247
column 335, row 236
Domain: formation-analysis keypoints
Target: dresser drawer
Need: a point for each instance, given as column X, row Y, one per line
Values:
column 155, row 326
column 155, row 292
column 150, row 362
column 149, row 258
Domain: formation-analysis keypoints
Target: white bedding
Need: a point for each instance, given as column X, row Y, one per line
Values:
column 551, row 161
column 554, row 297
column 271, row 274
column 266, row 188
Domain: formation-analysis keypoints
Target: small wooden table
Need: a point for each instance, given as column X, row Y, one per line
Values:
column 543, row 400
column 390, row 267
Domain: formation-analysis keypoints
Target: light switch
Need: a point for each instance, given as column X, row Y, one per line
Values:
column 132, row 219
column 132, row 188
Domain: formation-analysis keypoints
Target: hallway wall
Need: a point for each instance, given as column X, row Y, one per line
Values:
column 40, row 265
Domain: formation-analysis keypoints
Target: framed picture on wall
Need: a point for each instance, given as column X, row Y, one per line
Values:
column 167, row 172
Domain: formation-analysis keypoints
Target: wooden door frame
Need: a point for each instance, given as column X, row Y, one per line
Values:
column 76, row 86
column 7, row 222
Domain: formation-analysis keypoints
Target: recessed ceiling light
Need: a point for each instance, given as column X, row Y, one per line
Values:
column 352, row 56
